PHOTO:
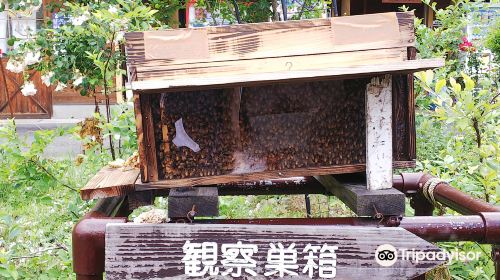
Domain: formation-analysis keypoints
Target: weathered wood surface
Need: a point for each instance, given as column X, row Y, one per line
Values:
column 228, row 80
column 110, row 182
column 363, row 202
column 141, row 142
column 233, row 46
column 146, row 137
column 412, row 133
column 255, row 176
column 258, row 176
column 156, row 251
column 379, row 133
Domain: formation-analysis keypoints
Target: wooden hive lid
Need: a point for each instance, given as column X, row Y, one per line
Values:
column 339, row 47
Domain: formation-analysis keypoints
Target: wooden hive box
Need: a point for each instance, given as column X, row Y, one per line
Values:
column 270, row 100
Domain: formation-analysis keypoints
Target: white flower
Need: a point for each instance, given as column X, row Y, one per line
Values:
column 79, row 20
column 153, row 216
column 119, row 36
column 32, row 58
column 60, row 86
column 113, row 10
column 15, row 66
column 46, row 78
column 28, row 89
column 78, row 80
column 22, row 4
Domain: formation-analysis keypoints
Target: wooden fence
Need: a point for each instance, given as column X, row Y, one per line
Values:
column 37, row 106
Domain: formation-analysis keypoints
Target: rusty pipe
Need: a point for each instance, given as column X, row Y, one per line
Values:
column 411, row 183
column 88, row 238
column 484, row 228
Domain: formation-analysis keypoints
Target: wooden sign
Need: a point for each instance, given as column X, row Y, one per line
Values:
column 197, row 251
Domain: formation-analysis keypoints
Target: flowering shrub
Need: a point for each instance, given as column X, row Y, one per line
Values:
column 466, row 45
column 82, row 53
column 26, row 6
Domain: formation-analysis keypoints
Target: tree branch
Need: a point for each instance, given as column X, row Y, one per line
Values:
column 106, row 94
column 38, row 254
column 51, row 175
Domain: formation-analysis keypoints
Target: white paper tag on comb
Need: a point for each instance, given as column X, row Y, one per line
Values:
column 182, row 139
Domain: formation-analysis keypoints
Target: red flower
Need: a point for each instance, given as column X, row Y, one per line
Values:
column 466, row 45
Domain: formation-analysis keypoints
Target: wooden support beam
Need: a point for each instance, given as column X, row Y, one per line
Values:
column 204, row 199
column 345, row 8
column 363, row 202
column 379, row 133
column 140, row 199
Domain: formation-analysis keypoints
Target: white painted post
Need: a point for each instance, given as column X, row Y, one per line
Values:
column 379, row 133
column 3, row 31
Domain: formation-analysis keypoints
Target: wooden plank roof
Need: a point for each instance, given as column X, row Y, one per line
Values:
column 248, row 53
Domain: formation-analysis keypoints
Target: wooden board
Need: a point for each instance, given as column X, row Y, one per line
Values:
column 363, row 202
column 110, row 182
column 408, row 66
column 257, row 176
column 174, row 251
column 379, row 133
column 272, row 64
column 267, row 47
column 70, row 96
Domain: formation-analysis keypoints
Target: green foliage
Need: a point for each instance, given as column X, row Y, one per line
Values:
column 255, row 11
column 309, row 9
column 38, row 202
column 22, row 164
column 470, row 120
column 458, row 114
column 493, row 40
column 121, row 128
column 252, row 11
column 458, row 121
column 443, row 41
column 165, row 10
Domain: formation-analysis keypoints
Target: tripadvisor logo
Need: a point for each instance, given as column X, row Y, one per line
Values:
column 387, row 255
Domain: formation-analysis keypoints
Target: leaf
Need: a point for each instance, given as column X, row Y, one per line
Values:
column 4, row 272
column 448, row 159
column 469, row 83
column 14, row 233
column 429, row 76
column 440, row 84
column 455, row 86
